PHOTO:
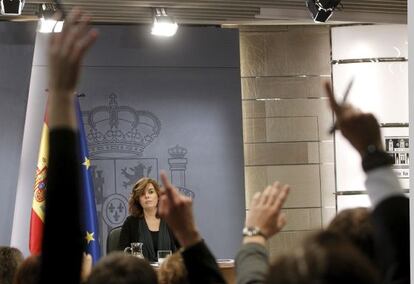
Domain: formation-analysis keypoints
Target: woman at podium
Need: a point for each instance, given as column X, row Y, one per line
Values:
column 143, row 224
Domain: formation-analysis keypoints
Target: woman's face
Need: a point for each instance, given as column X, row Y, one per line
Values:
column 149, row 199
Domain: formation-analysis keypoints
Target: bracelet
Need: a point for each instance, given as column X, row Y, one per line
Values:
column 253, row 231
column 375, row 158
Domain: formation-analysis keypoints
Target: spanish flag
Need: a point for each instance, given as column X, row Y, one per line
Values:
column 38, row 206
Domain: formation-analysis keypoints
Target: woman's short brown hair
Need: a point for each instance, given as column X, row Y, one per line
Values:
column 135, row 208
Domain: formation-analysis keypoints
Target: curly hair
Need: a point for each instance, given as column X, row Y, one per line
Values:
column 29, row 271
column 135, row 208
column 355, row 225
column 323, row 258
column 120, row 268
column 173, row 271
column 10, row 259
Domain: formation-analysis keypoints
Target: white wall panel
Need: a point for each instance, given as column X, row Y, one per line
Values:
column 374, row 41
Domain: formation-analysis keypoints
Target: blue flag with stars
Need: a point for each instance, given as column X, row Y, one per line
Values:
column 89, row 217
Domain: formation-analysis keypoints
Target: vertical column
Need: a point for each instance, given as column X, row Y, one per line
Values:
column 285, row 123
column 178, row 165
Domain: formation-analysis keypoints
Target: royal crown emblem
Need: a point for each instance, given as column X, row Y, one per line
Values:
column 120, row 129
column 177, row 152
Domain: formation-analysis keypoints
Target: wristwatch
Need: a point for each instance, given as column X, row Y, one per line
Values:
column 375, row 158
column 252, row 231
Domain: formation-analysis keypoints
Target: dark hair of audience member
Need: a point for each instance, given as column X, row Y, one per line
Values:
column 355, row 225
column 120, row 268
column 325, row 258
column 10, row 259
column 29, row 271
column 172, row 270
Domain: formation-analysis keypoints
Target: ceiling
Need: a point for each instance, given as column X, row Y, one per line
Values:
column 225, row 12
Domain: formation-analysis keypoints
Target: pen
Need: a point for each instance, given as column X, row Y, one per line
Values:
column 347, row 91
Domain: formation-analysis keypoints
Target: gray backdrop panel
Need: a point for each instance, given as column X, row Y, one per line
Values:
column 181, row 91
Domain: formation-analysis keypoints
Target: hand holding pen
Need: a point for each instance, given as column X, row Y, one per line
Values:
column 360, row 129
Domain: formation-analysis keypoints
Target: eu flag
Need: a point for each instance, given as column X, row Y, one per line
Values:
column 90, row 219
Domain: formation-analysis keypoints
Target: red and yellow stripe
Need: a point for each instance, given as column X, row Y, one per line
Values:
column 39, row 194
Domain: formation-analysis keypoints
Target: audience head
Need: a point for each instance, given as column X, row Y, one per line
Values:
column 355, row 225
column 142, row 187
column 120, row 268
column 29, row 271
column 173, row 271
column 325, row 258
column 10, row 259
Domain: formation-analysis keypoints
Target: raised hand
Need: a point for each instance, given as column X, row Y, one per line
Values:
column 361, row 129
column 66, row 51
column 265, row 210
column 177, row 211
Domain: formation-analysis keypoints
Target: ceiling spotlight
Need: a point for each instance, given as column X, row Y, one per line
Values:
column 46, row 22
column 11, row 7
column 164, row 25
column 322, row 10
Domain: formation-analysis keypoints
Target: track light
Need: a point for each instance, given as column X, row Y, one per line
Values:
column 164, row 25
column 11, row 7
column 46, row 22
column 322, row 10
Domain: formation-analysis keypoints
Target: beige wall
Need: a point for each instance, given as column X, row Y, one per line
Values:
column 285, row 122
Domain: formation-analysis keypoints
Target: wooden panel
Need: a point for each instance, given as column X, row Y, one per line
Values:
column 254, row 130
column 292, row 129
column 326, row 149
column 292, row 108
column 280, row 153
column 302, row 50
column 303, row 219
column 328, row 185
column 327, row 215
column 297, row 107
column 325, row 121
column 313, row 153
column 303, row 179
column 283, row 87
column 286, row 108
column 286, row 242
column 252, row 51
column 280, row 129
column 253, row 109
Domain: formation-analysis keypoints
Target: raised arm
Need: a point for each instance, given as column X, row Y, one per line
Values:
column 263, row 221
column 62, row 241
column 390, row 214
column 177, row 211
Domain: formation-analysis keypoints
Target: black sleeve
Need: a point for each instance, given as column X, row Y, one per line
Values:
column 392, row 238
column 174, row 242
column 201, row 265
column 124, row 238
column 62, row 244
